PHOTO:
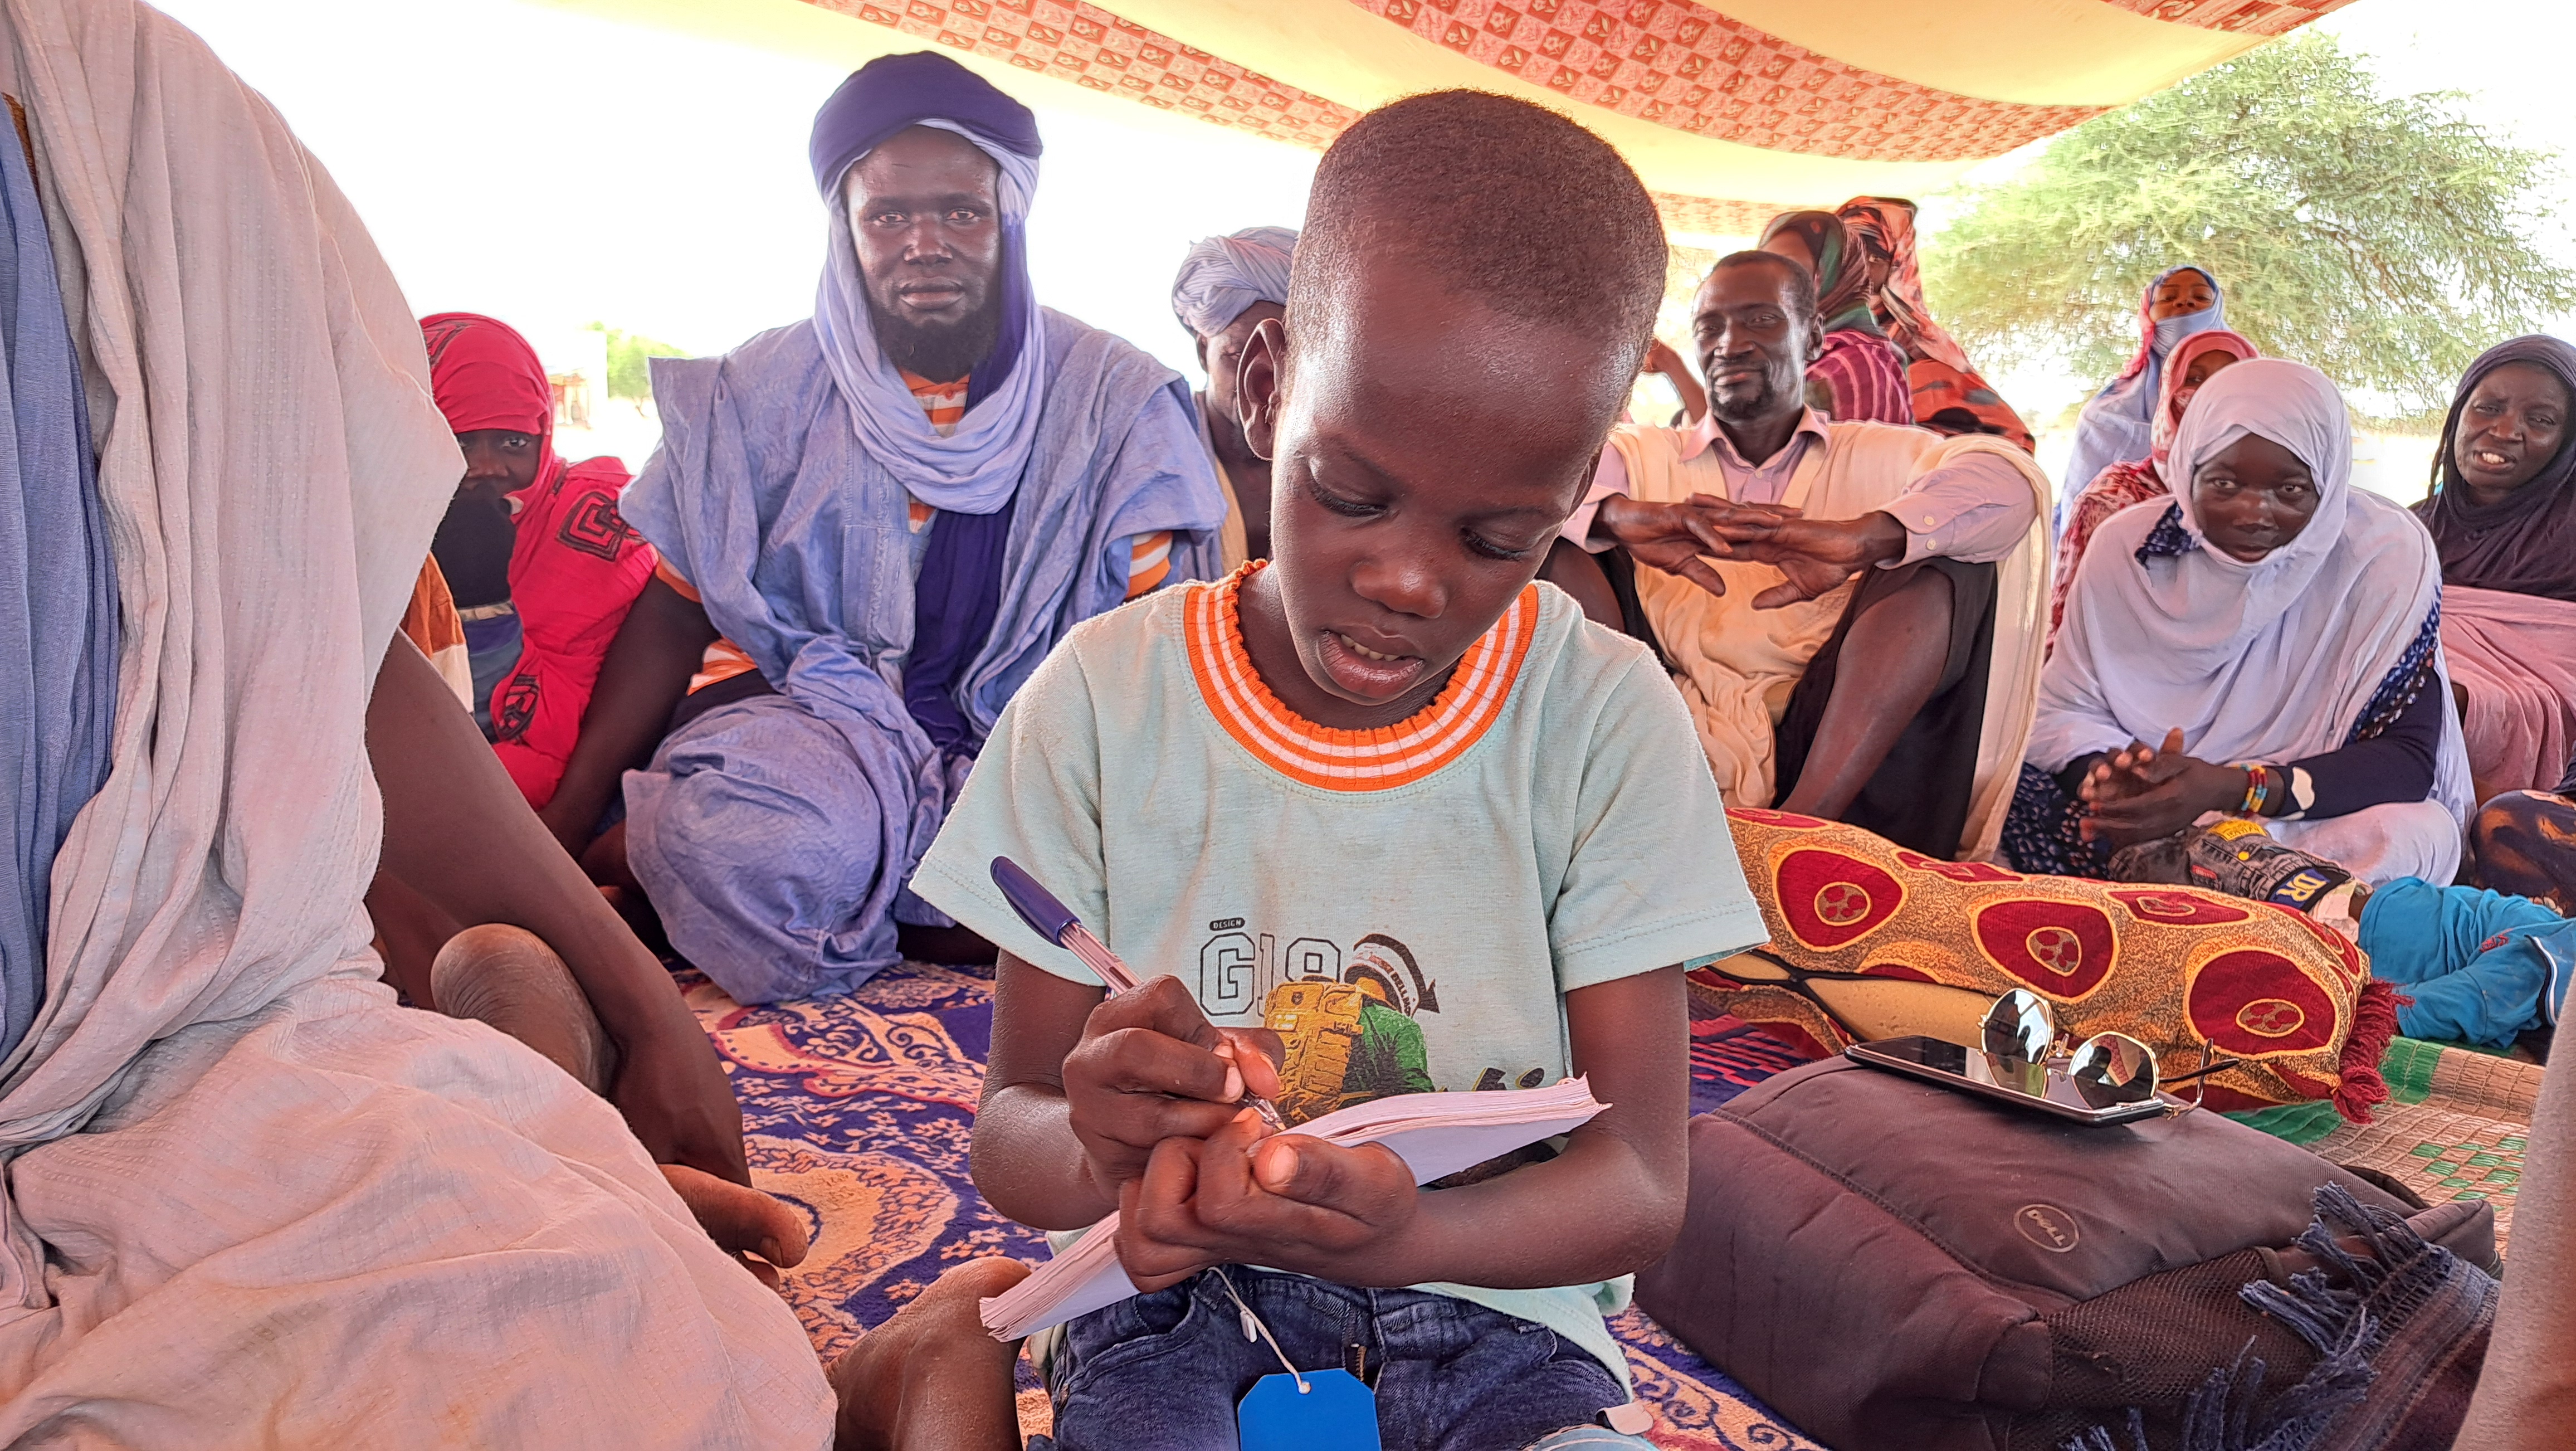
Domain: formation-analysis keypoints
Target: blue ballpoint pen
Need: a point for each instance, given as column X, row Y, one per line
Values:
column 1055, row 922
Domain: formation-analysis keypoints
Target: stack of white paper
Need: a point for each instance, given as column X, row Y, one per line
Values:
column 1436, row 1134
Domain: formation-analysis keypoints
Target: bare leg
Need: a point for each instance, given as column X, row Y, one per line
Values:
column 509, row 978
column 410, row 929
column 1891, row 662
column 932, row 1378
column 2526, row 1398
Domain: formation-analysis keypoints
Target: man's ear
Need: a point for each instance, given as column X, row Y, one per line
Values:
column 1200, row 345
column 1259, row 395
column 1815, row 341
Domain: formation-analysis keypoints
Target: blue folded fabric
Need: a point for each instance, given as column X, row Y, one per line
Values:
column 57, row 592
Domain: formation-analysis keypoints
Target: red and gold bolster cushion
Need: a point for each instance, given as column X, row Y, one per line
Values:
column 1870, row 940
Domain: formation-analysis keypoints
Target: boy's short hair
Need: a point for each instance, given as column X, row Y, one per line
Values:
column 1802, row 283
column 1519, row 207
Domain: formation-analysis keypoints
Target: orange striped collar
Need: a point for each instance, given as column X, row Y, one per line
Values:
column 945, row 403
column 1340, row 760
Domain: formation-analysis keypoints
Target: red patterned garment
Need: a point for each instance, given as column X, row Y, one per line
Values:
column 2112, row 490
column 575, row 566
column 1865, row 376
column 574, row 574
column 1949, row 395
column 1860, row 371
column 1869, row 940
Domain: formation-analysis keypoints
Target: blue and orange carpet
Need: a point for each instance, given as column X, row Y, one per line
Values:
column 858, row 1110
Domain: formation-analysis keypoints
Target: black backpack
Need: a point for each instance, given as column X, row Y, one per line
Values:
column 1895, row 1266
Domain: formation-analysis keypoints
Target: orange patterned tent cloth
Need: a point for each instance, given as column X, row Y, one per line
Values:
column 1869, row 940
column 1731, row 110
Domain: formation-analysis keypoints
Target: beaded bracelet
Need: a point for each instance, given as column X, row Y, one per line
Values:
column 2258, row 789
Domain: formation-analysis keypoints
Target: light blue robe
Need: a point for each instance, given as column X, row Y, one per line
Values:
column 775, row 835
column 58, row 609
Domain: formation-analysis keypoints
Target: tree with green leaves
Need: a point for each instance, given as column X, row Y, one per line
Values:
column 627, row 375
column 2385, row 239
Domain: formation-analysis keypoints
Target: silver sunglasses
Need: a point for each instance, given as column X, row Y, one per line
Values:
column 2023, row 1045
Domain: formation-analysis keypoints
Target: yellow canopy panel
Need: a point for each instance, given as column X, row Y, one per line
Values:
column 1728, row 115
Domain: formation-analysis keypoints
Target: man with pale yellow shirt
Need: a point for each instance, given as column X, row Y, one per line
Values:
column 1851, row 609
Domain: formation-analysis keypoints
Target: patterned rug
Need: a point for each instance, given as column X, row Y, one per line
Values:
column 858, row 1110
column 2453, row 1128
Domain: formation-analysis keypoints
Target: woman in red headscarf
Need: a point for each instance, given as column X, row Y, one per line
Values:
column 541, row 567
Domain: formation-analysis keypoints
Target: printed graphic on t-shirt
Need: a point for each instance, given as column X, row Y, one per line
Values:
column 1350, row 1020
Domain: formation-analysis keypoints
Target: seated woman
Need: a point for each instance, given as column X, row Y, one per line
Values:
column 2196, row 360
column 2273, row 633
column 1857, row 374
column 1948, row 394
column 541, row 567
column 2503, row 516
column 2116, row 424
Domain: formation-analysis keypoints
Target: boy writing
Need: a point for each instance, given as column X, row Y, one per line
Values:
column 1393, row 816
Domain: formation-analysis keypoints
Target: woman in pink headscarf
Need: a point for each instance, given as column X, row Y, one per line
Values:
column 542, row 567
column 2194, row 361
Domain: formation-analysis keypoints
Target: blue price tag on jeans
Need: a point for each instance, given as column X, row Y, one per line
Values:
column 1336, row 1412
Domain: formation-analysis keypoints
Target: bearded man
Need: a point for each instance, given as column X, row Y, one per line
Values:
column 873, row 524
column 1852, row 609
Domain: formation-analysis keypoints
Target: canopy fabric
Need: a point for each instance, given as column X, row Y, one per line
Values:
column 1729, row 116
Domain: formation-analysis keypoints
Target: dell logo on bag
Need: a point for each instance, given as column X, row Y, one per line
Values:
column 2049, row 1227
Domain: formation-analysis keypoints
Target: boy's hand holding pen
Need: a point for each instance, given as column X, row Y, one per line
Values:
column 1289, row 1201
column 1149, row 1067
column 1147, row 1041
column 1176, row 1121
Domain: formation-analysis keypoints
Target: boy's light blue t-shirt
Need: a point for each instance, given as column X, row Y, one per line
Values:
column 1406, row 906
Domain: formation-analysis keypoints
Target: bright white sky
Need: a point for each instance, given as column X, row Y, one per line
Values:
column 552, row 169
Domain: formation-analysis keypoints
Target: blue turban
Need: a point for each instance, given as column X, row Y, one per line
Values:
column 976, row 469
column 895, row 91
column 1224, row 275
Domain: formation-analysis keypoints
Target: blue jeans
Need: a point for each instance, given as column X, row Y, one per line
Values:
column 1162, row 1372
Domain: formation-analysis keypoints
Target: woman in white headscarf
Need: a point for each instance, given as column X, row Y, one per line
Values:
column 2265, row 644
column 2118, row 424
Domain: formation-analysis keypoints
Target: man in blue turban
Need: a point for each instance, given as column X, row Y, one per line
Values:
column 873, row 524
column 1228, row 287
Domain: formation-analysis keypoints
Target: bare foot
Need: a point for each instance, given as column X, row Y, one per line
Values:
column 932, row 1378
column 742, row 1221
column 509, row 978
